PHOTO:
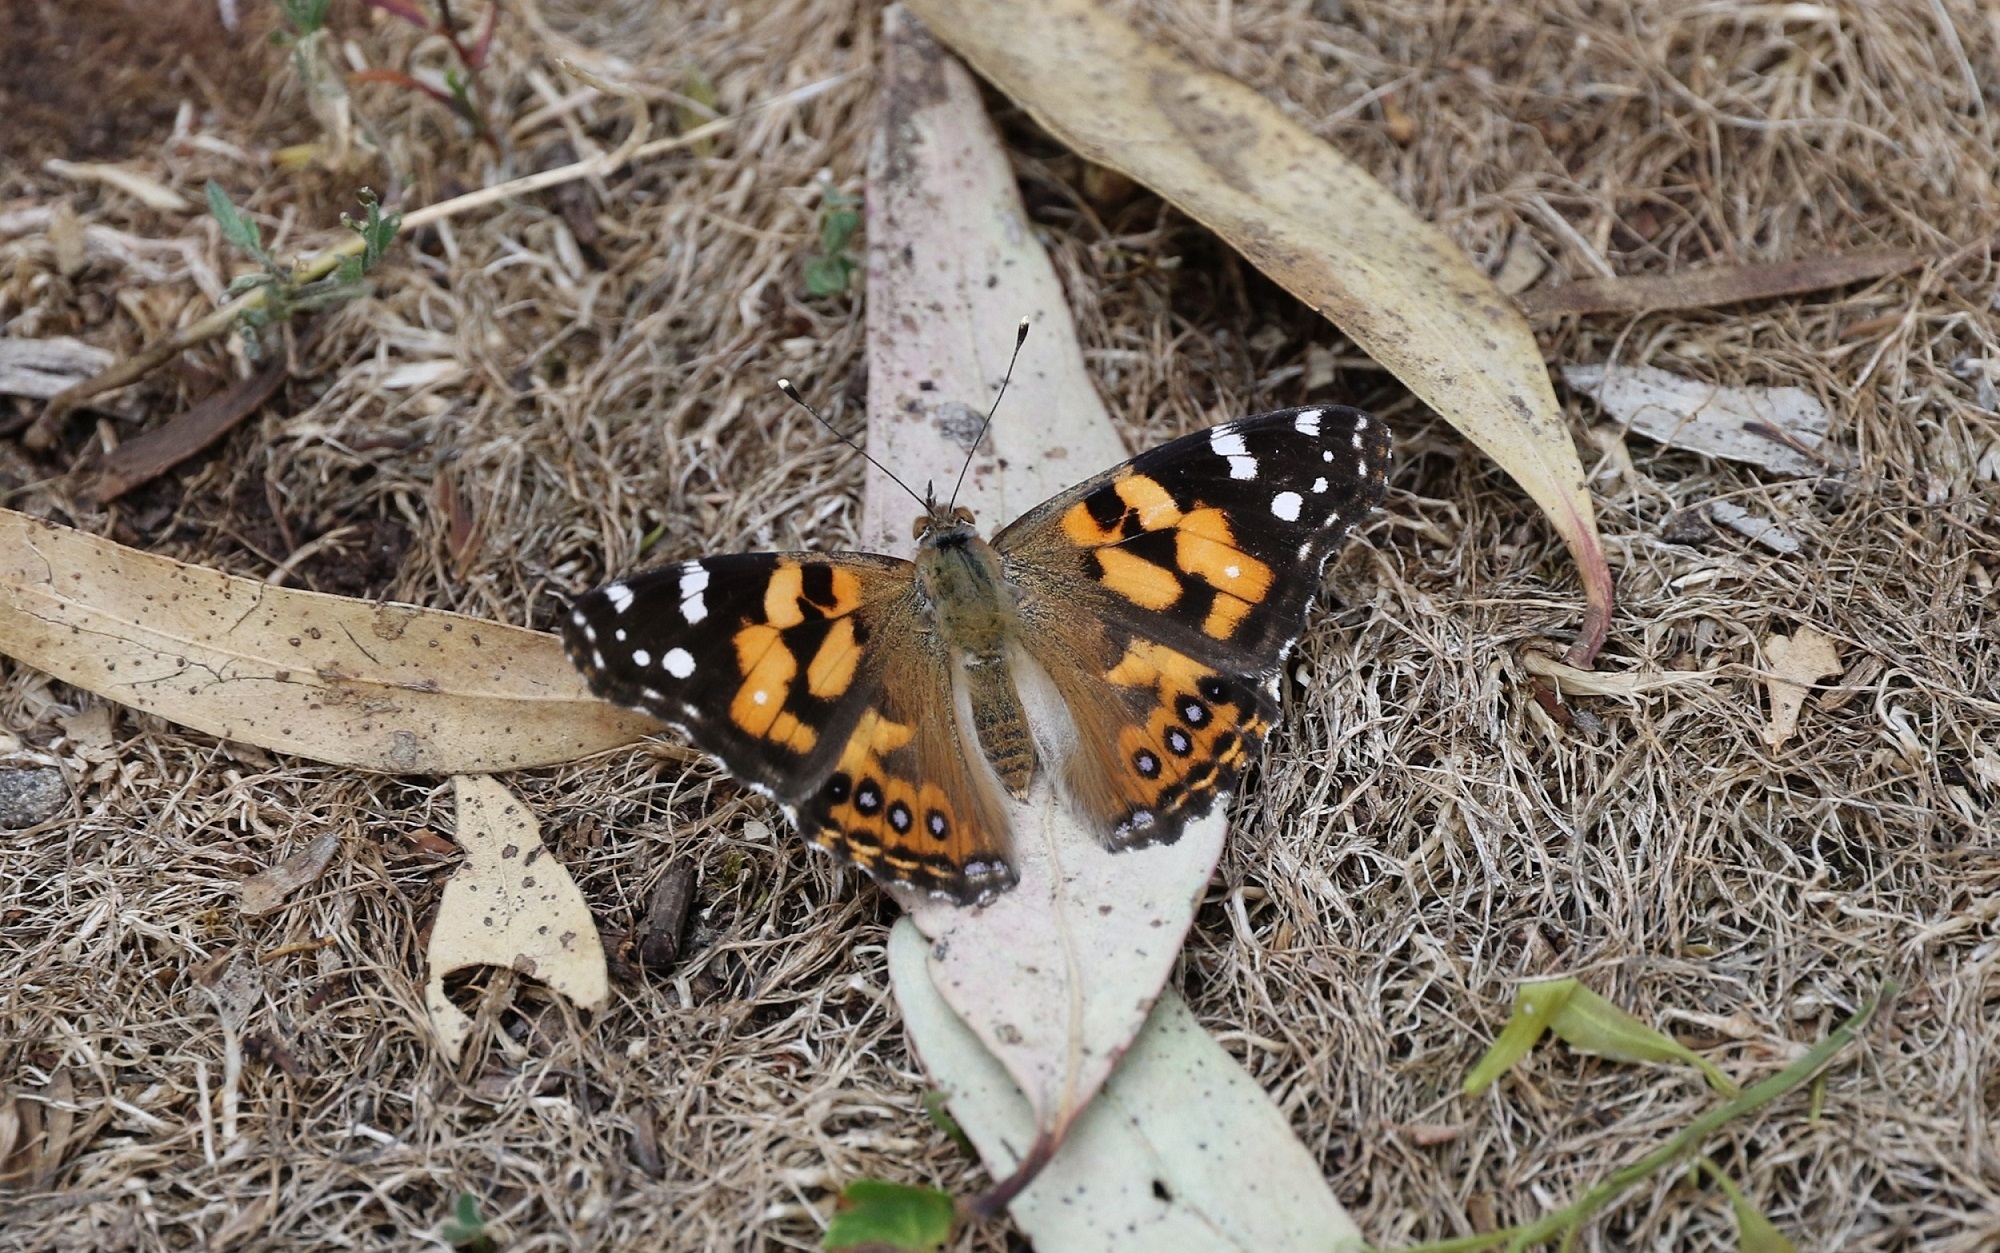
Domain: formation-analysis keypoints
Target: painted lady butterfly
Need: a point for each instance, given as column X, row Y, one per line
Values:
column 879, row 701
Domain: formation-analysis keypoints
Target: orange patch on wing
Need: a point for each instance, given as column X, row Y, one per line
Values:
column 1083, row 531
column 1205, row 547
column 782, row 595
column 1146, row 664
column 1224, row 616
column 768, row 668
column 831, row 670
column 1153, row 503
column 846, row 593
column 1138, row 580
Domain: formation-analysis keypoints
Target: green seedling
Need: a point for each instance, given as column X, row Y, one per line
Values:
column 284, row 296
column 839, row 217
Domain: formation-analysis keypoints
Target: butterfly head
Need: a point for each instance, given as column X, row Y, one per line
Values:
column 940, row 525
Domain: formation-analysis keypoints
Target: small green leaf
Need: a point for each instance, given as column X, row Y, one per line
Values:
column 465, row 1229
column 701, row 109
column 236, row 228
column 915, row 1220
column 1590, row 1024
column 836, row 229
column 827, row 276
column 1754, row 1232
column 651, row 538
column 1535, row 1005
column 304, row 17
column 934, row 1109
column 376, row 229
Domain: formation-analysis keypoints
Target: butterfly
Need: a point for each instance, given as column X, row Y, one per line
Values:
column 879, row 701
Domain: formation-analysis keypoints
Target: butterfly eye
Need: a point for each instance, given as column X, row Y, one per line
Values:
column 922, row 524
column 962, row 514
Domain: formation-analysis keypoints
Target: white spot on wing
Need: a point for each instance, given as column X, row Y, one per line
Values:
column 577, row 617
column 1229, row 445
column 619, row 595
column 1319, row 485
column 1307, row 423
column 678, row 662
column 760, row 696
column 694, row 581
column 619, row 635
column 1326, row 456
column 1231, row 571
column 1286, row 505
column 1356, row 441
column 642, row 658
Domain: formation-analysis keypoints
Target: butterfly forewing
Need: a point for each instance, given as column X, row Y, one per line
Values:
column 766, row 660
column 810, row 678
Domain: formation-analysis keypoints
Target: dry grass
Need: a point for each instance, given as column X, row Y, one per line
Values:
column 1424, row 835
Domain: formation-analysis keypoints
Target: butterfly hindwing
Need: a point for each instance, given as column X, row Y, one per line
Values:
column 807, row 676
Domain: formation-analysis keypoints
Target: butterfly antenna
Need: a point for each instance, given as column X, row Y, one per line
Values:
column 1020, row 337
column 785, row 386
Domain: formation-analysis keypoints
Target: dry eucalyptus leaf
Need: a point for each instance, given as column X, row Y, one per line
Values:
column 352, row 682
column 1315, row 222
column 1796, row 664
column 265, row 891
column 1182, row 1150
column 1782, row 429
column 511, row 904
column 1057, row 975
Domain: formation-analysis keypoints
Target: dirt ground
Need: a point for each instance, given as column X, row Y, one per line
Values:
column 531, row 394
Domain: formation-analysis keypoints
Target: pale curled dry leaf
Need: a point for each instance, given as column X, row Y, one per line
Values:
column 1315, row 222
column 265, row 891
column 510, row 904
column 1796, row 664
column 1572, row 681
column 1182, row 1149
column 1754, row 527
column 378, row 686
column 1057, row 975
column 146, row 190
column 1782, row 429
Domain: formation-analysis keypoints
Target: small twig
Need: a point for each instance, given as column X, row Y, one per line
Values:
column 42, row 434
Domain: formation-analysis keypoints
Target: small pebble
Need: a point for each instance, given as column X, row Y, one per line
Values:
column 30, row 795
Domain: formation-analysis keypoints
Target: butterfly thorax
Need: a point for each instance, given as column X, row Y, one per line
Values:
column 971, row 606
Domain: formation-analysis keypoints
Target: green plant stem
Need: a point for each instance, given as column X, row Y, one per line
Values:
column 1687, row 1139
